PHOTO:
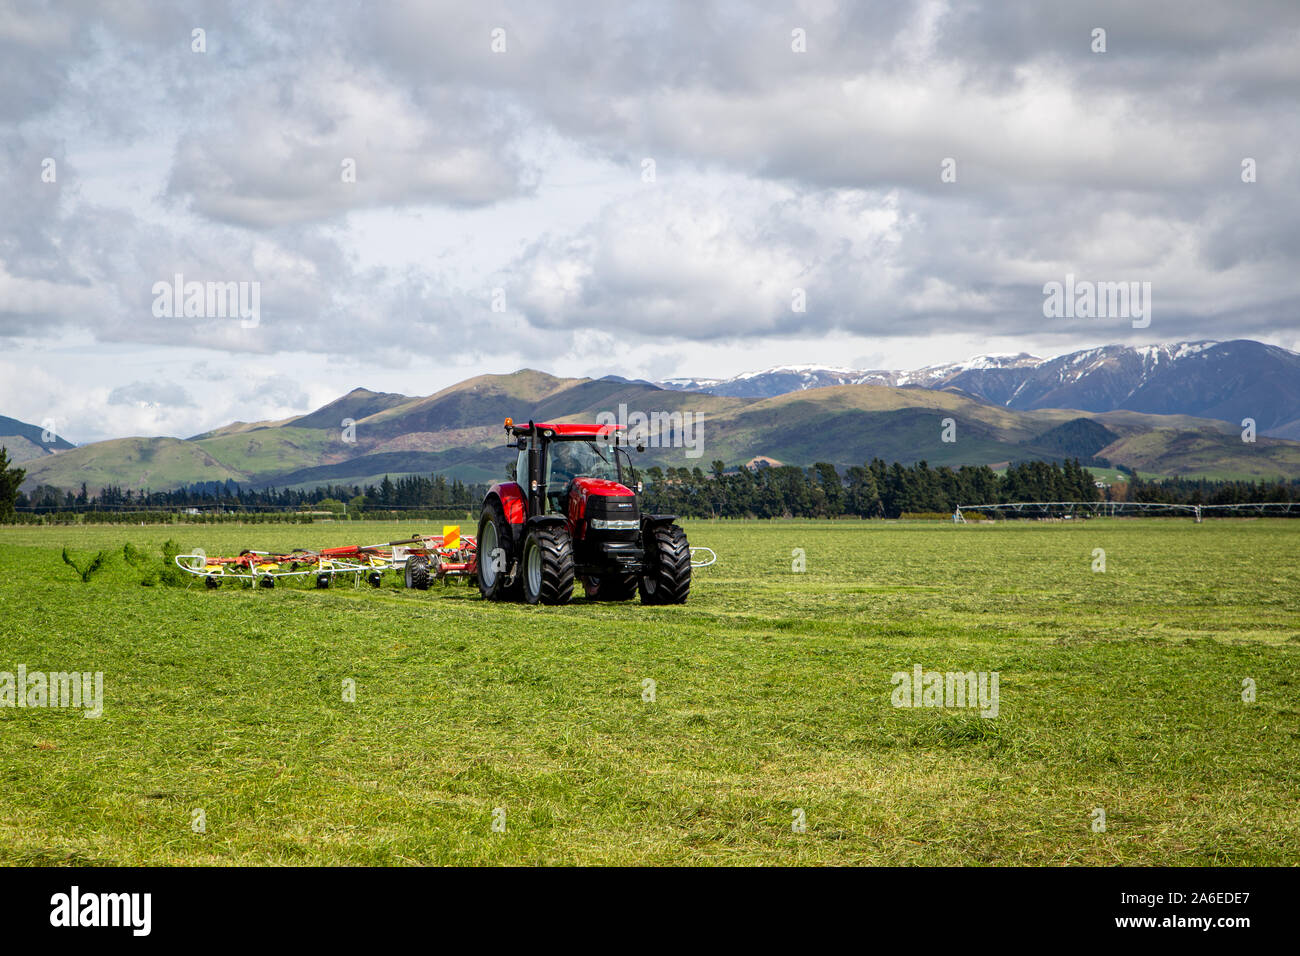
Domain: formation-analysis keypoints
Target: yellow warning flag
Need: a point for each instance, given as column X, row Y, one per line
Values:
column 451, row 536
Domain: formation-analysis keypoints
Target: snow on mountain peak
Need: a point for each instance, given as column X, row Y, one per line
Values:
column 796, row 370
column 1065, row 370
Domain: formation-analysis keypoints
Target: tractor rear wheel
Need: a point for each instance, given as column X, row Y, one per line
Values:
column 667, row 577
column 610, row 587
column 547, row 566
column 496, row 556
column 417, row 572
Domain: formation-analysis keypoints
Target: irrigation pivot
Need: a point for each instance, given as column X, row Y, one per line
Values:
column 1113, row 509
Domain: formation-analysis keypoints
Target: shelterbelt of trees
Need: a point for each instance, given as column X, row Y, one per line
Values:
column 414, row 491
column 873, row 490
column 877, row 490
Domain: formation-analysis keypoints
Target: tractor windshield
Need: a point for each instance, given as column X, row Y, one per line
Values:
column 580, row 459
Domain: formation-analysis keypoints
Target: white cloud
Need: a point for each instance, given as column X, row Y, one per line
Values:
column 279, row 152
column 699, row 262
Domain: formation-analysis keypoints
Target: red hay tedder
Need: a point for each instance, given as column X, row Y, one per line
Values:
column 570, row 515
column 423, row 558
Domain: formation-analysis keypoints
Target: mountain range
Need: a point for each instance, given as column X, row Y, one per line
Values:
column 458, row 430
column 1229, row 381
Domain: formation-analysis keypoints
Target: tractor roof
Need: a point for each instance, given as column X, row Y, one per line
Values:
column 567, row 429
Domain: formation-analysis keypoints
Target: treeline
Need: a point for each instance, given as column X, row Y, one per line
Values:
column 874, row 490
column 460, row 516
column 414, row 492
column 157, row 517
column 1199, row 491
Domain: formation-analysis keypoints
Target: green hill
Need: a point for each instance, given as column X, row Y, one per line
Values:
column 154, row 463
column 1205, row 452
column 24, row 442
column 1080, row 438
column 282, row 448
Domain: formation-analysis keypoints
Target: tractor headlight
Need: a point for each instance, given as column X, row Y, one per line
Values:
column 615, row 524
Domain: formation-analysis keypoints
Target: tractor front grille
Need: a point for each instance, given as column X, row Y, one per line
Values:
column 613, row 518
column 612, row 508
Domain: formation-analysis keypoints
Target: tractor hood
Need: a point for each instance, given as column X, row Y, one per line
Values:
column 600, row 486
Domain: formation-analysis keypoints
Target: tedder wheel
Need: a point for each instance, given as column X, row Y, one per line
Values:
column 322, row 581
column 211, row 582
column 548, row 566
column 266, row 581
column 667, row 578
column 610, row 587
column 375, row 579
column 417, row 572
column 495, row 556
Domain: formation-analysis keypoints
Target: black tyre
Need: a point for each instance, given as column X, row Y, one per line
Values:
column 266, row 581
column 375, row 579
column 496, row 557
column 667, row 578
column 417, row 572
column 323, row 580
column 610, row 587
column 211, row 582
column 547, row 566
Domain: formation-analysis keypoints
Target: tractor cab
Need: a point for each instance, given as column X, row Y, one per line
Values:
column 572, row 514
column 568, row 458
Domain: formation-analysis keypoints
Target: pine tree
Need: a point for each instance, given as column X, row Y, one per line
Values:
column 832, row 489
column 10, row 479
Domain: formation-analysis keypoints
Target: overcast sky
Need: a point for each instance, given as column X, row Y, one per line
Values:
column 619, row 188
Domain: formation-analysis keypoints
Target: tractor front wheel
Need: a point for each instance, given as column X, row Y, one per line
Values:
column 667, row 578
column 548, row 566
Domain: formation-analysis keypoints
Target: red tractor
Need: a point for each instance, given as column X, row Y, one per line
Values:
column 571, row 514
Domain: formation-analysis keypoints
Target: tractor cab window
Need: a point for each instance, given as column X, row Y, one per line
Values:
column 579, row 459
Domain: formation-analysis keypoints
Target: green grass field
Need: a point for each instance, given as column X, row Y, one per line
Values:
column 1119, row 690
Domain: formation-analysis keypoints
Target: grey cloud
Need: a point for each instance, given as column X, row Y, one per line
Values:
column 35, row 45
column 885, row 90
column 679, row 264
column 278, row 156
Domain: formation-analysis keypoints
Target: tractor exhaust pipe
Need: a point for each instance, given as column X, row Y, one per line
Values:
column 536, row 479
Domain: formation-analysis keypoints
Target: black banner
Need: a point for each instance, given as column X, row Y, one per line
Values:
column 948, row 906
